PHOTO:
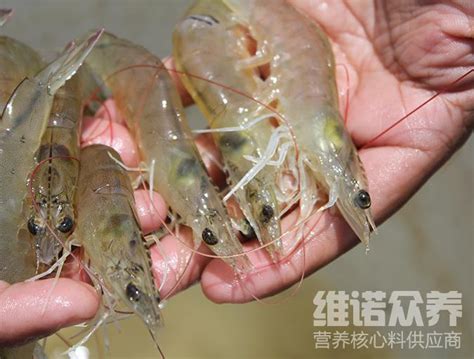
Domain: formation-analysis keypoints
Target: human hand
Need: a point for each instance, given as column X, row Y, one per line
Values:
column 395, row 59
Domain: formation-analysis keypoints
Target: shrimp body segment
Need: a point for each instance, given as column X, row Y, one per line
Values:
column 310, row 105
column 23, row 123
column 108, row 230
column 209, row 43
column 151, row 105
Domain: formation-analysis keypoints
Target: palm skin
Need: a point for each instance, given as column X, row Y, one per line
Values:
column 397, row 54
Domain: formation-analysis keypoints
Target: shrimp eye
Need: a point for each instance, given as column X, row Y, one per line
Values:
column 33, row 227
column 209, row 237
column 267, row 213
column 133, row 293
column 66, row 224
column 362, row 199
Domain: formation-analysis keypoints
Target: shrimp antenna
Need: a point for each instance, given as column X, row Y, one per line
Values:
column 155, row 340
column 443, row 90
column 63, row 339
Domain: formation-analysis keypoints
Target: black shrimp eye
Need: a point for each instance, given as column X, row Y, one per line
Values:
column 133, row 292
column 267, row 213
column 66, row 224
column 33, row 227
column 362, row 199
column 209, row 237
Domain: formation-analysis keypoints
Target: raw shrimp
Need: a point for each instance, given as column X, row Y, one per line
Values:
column 208, row 43
column 53, row 182
column 152, row 108
column 309, row 103
column 108, row 229
column 24, row 120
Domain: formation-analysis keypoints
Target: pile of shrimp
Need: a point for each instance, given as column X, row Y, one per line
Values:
column 279, row 140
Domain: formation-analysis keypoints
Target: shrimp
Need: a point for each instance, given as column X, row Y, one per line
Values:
column 151, row 105
column 108, row 230
column 209, row 42
column 24, row 120
column 327, row 155
column 53, row 183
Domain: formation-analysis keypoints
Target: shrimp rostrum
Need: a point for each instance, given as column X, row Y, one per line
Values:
column 17, row 61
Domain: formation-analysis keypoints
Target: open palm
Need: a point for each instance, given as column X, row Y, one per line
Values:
column 391, row 58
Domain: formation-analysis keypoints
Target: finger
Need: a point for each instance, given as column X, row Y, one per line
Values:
column 113, row 134
column 109, row 111
column 185, row 96
column 175, row 267
column 29, row 310
column 74, row 268
column 175, row 263
column 152, row 211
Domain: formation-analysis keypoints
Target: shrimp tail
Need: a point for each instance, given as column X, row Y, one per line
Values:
column 64, row 67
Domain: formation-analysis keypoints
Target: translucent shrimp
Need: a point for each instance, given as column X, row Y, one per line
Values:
column 24, row 120
column 145, row 94
column 209, row 43
column 108, row 230
column 53, row 182
column 327, row 155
